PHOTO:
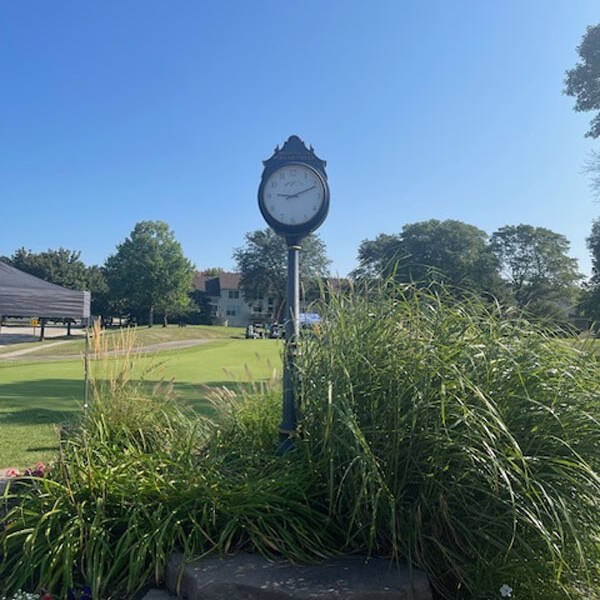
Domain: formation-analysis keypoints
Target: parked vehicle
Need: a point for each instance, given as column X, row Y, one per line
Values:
column 251, row 333
column 276, row 331
column 257, row 331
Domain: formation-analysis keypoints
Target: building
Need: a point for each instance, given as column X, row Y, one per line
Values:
column 229, row 305
column 223, row 291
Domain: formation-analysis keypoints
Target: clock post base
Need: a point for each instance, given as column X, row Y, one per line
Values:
column 286, row 442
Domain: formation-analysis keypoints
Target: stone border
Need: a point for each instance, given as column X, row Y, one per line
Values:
column 252, row 577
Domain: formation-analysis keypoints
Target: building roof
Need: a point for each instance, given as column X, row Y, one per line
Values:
column 199, row 281
column 230, row 281
column 23, row 295
column 213, row 284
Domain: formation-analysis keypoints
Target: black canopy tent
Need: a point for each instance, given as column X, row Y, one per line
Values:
column 23, row 295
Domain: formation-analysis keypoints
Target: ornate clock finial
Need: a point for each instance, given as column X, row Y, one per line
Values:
column 294, row 149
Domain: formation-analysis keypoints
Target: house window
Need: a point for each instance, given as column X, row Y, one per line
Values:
column 258, row 308
column 231, row 312
column 234, row 294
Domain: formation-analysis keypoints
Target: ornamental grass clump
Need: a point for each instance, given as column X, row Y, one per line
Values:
column 459, row 437
column 441, row 431
column 142, row 476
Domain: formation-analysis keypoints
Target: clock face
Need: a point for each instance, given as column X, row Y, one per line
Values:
column 293, row 194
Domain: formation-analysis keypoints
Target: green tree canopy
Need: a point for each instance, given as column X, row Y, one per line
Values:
column 450, row 251
column 149, row 272
column 536, row 264
column 63, row 267
column 593, row 244
column 213, row 271
column 378, row 257
column 583, row 80
column 262, row 262
column 590, row 297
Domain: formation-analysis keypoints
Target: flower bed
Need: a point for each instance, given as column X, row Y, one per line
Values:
column 72, row 595
column 13, row 482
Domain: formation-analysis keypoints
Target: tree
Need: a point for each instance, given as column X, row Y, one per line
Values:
column 535, row 261
column 202, row 311
column 378, row 257
column 63, row 267
column 212, row 271
column 589, row 304
column 583, row 81
column 451, row 252
column 96, row 284
column 593, row 244
column 262, row 262
column 149, row 272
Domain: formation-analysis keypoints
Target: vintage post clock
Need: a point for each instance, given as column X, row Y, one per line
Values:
column 293, row 197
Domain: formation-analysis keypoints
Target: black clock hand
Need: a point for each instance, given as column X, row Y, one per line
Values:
column 306, row 190
column 298, row 193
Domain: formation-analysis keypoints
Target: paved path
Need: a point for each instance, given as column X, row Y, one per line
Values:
column 15, row 335
column 17, row 354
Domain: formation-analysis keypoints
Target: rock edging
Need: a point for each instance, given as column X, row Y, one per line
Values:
column 251, row 577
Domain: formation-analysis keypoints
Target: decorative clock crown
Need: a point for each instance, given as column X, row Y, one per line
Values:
column 294, row 150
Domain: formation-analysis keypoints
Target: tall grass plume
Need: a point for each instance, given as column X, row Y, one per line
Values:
column 459, row 437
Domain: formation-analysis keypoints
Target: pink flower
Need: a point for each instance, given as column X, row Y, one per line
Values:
column 12, row 473
column 40, row 470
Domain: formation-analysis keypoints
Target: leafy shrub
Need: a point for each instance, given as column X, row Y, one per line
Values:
column 460, row 438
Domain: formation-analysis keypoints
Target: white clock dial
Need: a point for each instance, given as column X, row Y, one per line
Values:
column 293, row 194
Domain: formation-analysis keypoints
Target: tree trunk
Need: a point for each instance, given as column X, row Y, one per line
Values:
column 165, row 321
column 151, row 317
column 68, row 327
column 279, row 312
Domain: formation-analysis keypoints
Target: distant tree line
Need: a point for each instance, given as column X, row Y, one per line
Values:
column 519, row 265
column 148, row 277
column 65, row 268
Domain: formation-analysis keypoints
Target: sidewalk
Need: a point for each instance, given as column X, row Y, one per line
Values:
column 17, row 335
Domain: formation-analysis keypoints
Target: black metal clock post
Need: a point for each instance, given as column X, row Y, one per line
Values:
column 293, row 152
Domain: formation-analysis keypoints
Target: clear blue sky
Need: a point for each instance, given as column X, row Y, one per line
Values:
column 119, row 111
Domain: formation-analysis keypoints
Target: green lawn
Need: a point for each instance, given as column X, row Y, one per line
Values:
column 37, row 396
column 145, row 336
